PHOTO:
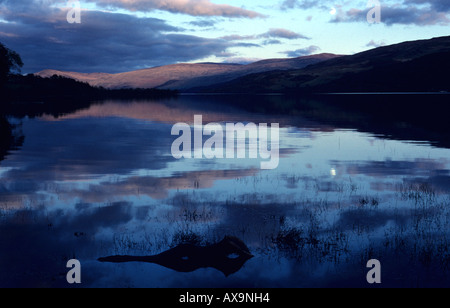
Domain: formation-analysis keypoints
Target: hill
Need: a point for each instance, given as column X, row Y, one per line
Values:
column 406, row 67
column 186, row 76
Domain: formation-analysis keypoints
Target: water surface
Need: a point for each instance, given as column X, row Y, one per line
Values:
column 101, row 181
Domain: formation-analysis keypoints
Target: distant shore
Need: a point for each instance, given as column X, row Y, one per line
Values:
column 31, row 88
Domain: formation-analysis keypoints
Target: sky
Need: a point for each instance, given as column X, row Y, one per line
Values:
column 124, row 35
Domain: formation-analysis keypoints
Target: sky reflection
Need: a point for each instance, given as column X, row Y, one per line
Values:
column 102, row 182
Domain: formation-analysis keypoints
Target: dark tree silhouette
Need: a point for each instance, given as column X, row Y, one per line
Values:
column 10, row 62
column 30, row 88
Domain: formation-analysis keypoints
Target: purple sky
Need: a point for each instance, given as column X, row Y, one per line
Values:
column 124, row 35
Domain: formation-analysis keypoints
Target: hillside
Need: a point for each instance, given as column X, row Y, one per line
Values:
column 406, row 67
column 186, row 76
column 410, row 66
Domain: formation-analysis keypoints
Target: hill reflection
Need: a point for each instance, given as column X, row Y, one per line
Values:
column 101, row 181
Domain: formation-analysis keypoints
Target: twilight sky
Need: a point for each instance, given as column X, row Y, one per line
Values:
column 124, row 35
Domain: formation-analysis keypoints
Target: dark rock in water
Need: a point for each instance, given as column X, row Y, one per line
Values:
column 227, row 256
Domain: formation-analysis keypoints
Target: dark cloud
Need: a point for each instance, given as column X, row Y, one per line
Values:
column 103, row 42
column 271, row 42
column 301, row 4
column 289, row 4
column 203, row 23
column 438, row 5
column 246, row 45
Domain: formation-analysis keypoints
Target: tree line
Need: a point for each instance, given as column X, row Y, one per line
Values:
column 15, row 87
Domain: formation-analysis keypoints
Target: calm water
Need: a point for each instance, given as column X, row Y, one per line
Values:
column 102, row 181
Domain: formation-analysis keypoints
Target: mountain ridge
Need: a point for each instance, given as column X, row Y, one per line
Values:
column 186, row 75
column 407, row 66
column 418, row 66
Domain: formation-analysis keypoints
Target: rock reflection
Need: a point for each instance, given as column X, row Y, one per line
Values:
column 227, row 256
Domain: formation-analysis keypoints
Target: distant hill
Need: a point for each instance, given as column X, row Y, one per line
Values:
column 186, row 76
column 411, row 66
column 406, row 67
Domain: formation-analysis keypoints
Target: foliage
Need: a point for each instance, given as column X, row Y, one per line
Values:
column 10, row 62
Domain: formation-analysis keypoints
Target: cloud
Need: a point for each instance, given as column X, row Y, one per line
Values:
column 246, row 45
column 407, row 12
column 202, row 23
column 189, row 7
column 375, row 44
column 271, row 42
column 299, row 4
column 278, row 33
column 241, row 60
column 438, row 5
column 103, row 42
column 289, row 4
column 302, row 52
column 403, row 15
column 283, row 33
column 236, row 37
column 271, row 37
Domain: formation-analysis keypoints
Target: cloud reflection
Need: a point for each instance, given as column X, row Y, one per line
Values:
column 156, row 187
